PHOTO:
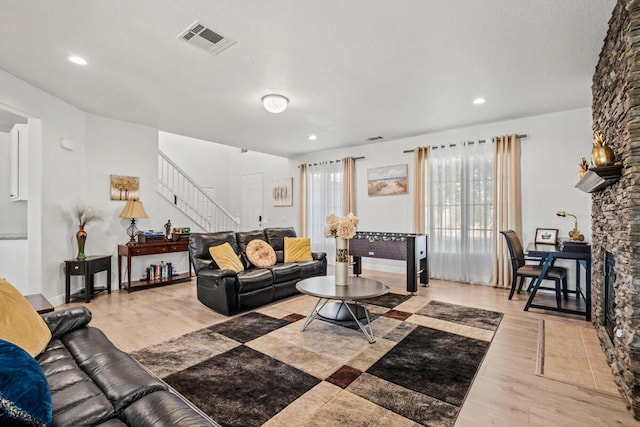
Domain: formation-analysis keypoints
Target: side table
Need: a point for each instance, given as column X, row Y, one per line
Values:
column 39, row 303
column 88, row 268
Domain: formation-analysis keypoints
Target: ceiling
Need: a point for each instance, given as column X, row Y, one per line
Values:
column 351, row 69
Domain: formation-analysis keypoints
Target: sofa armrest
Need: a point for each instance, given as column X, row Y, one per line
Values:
column 318, row 256
column 68, row 319
column 217, row 273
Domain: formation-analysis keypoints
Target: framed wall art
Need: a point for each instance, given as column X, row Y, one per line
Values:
column 547, row 236
column 125, row 187
column 387, row 180
column 282, row 192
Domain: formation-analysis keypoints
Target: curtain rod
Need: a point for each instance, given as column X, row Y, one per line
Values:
column 332, row 161
column 522, row 136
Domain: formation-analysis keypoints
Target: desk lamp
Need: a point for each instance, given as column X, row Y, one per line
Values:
column 573, row 234
column 133, row 209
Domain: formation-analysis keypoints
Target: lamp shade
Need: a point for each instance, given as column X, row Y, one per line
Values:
column 133, row 209
column 275, row 103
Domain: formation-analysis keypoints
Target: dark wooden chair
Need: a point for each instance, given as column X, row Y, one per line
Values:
column 521, row 270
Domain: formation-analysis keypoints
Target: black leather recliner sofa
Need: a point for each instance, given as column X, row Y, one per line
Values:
column 93, row 383
column 228, row 292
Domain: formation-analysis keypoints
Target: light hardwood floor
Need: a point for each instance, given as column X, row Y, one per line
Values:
column 506, row 392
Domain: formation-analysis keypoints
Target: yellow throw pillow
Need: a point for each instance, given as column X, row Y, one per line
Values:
column 226, row 258
column 297, row 249
column 20, row 323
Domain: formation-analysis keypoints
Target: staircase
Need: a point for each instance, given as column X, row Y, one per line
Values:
column 180, row 190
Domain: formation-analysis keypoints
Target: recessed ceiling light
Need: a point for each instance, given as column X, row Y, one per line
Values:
column 312, row 137
column 78, row 60
column 479, row 100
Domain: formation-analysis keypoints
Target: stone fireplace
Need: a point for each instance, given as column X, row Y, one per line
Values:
column 616, row 209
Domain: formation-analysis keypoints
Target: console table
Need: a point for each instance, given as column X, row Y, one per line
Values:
column 155, row 248
column 88, row 268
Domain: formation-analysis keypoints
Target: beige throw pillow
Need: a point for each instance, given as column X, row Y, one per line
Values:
column 260, row 253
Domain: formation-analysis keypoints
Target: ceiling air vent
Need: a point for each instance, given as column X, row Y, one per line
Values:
column 205, row 38
column 374, row 138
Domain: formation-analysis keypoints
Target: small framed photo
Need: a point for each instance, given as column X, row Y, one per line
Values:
column 547, row 236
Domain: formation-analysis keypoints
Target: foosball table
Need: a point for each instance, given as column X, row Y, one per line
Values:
column 411, row 248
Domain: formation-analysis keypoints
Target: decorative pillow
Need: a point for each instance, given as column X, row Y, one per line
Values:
column 260, row 253
column 24, row 392
column 297, row 249
column 226, row 258
column 20, row 323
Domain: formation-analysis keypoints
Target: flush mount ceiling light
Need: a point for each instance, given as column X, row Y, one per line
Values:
column 275, row 103
column 479, row 100
column 78, row 60
column 312, row 137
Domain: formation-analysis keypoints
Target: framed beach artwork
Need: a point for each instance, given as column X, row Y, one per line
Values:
column 282, row 192
column 387, row 180
column 125, row 187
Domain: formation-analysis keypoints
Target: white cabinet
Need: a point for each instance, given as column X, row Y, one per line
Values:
column 18, row 162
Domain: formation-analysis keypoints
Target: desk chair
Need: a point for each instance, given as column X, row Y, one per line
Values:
column 521, row 270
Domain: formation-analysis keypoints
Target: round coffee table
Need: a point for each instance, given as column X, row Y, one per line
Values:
column 352, row 298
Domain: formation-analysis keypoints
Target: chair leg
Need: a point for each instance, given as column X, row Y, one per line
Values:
column 513, row 286
column 565, row 289
column 521, row 283
column 558, row 296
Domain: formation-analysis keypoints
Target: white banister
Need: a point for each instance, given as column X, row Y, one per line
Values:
column 181, row 191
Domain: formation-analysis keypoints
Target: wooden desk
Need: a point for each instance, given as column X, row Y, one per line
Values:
column 39, row 303
column 130, row 251
column 87, row 268
column 581, row 253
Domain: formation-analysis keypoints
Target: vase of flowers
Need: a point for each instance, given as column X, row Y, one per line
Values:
column 342, row 229
column 84, row 216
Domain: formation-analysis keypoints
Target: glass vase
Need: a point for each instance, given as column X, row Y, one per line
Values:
column 81, row 237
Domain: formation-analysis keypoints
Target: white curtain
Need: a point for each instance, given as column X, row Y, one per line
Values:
column 324, row 197
column 460, row 212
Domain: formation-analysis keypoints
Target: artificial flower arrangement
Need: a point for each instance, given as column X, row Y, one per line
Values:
column 344, row 227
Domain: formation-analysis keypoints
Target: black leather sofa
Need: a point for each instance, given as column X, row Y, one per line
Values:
column 92, row 383
column 228, row 292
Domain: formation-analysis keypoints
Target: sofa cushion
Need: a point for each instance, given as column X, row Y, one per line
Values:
column 311, row 268
column 285, row 272
column 19, row 321
column 245, row 237
column 260, row 253
column 226, row 257
column 161, row 409
column 253, row 279
column 297, row 249
column 199, row 244
column 24, row 391
column 117, row 374
column 275, row 236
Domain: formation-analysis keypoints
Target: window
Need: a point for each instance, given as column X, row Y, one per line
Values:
column 460, row 212
column 324, row 197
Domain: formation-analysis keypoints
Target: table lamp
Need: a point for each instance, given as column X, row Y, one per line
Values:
column 133, row 209
column 573, row 234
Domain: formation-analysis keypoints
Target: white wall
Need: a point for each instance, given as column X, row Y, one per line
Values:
column 222, row 167
column 550, row 155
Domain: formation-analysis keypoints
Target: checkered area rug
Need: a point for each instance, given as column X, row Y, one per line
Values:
column 258, row 368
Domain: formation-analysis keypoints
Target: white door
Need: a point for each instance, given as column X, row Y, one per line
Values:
column 251, row 205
